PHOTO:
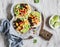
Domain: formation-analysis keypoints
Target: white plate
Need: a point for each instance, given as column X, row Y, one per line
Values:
column 29, row 33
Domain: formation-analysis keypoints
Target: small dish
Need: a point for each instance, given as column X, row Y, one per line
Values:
column 20, row 9
column 21, row 26
column 54, row 22
column 34, row 19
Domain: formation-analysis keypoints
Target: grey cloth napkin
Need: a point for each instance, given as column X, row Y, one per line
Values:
column 14, row 41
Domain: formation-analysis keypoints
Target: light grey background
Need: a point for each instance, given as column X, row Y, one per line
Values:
column 48, row 8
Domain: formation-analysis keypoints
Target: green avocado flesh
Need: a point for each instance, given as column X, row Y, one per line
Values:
column 36, row 1
column 57, row 24
column 55, row 21
column 26, row 28
column 37, row 14
column 16, row 11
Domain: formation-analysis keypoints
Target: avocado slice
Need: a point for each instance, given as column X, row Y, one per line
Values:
column 26, row 28
column 37, row 14
column 54, row 19
column 56, row 24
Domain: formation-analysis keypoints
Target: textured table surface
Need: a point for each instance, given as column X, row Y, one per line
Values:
column 48, row 8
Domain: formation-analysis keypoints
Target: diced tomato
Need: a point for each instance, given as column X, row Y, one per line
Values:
column 20, row 22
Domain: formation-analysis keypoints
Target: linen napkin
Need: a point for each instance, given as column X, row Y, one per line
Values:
column 14, row 41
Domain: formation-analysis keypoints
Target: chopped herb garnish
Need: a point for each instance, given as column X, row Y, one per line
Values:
column 36, row 1
column 21, row 7
column 34, row 30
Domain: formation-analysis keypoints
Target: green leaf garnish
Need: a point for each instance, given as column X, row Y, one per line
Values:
column 21, row 7
column 36, row 1
column 34, row 41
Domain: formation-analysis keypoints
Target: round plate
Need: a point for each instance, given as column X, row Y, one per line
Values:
column 30, row 32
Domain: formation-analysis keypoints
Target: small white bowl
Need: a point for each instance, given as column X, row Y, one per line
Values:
column 50, row 24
